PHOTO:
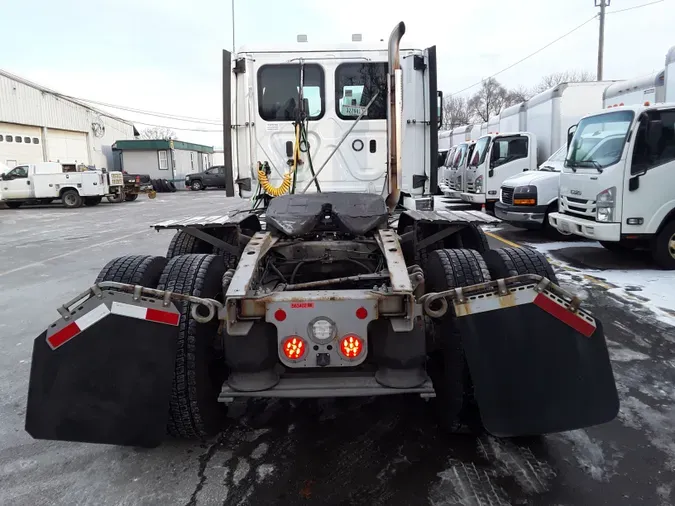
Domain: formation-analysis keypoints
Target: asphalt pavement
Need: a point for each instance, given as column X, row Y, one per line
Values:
column 370, row 451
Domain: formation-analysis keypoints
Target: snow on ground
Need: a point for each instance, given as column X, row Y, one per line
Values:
column 652, row 288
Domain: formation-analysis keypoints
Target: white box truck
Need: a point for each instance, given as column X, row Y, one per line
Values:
column 649, row 89
column 457, row 169
column 617, row 186
column 45, row 182
column 525, row 200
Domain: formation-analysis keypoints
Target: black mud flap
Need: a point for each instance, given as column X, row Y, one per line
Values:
column 537, row 367
column 105, row 374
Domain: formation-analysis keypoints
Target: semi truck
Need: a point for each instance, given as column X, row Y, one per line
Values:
column 323, row 294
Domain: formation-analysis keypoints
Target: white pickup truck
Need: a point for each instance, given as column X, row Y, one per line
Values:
column 45, row 182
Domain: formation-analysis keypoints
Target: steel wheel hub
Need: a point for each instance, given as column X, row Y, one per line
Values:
column 671, row 246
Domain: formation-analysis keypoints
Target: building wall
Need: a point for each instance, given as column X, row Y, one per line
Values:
column 144, row 162
column 24, row 105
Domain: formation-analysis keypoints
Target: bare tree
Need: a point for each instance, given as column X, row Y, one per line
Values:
column 455, row 112
column 158, row 133
column 491, row 99
column 567, row 76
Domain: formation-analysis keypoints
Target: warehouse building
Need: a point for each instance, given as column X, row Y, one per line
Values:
column 40, row 125
column 162, row 159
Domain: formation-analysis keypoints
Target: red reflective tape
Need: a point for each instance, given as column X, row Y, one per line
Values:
column 155, row 315
column 64, row 335
column 564, row 315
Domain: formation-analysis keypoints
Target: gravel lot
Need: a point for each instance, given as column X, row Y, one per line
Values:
column 383, row 451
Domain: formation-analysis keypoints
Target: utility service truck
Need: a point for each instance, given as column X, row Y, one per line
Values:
column 617, row 185
column 44, row 182
column 324, row 293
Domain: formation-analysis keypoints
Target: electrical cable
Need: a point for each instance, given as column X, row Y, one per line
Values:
column 527, row 57
column 634, row 7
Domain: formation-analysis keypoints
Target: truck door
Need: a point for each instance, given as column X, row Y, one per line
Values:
column 509, row 155
column 649, row 185
column 16, row 184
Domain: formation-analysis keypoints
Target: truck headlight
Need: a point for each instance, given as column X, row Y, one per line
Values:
column 605, row 205
column 525, row 195
column 478, row 184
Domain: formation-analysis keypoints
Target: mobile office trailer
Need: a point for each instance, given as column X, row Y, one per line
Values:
column 648, row 89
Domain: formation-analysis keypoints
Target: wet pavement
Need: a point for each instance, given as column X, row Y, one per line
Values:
column 370, row 451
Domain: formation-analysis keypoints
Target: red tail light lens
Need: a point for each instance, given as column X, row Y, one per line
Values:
column 351, row 346
column 294, row 347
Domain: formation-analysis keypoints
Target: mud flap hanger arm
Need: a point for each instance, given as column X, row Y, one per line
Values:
column 167, row 297
column 502, row 286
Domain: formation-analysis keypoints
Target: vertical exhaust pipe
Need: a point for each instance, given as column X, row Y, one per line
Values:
column 394, row 113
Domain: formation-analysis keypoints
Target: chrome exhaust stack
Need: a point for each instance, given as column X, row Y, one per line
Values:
column 394, row 116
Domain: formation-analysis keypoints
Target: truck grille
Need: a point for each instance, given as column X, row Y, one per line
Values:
column 470, row 187
column 507, row 195
column 581, row 208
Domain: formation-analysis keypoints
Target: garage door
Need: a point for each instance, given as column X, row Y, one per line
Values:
column 67, row 147
column 20, row 144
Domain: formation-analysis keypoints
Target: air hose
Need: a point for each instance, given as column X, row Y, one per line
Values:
column 287, row 178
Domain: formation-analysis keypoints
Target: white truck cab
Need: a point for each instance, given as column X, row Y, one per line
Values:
column 617, row 185
column 330, row 102
column 457, row 169
column 45, row 182
column 497, row 157
column 526, row 199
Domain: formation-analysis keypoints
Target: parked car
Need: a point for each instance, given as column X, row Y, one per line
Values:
column 213, row 176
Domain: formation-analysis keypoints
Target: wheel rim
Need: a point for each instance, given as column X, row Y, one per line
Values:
column 671, row 246
column 70, row 199
column 197, row 185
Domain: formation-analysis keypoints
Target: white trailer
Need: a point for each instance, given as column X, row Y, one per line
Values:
column 475, row 132
column 45, row 182
column 493, row 125
column 461, row 134
column 669, row 80
column 649, row 89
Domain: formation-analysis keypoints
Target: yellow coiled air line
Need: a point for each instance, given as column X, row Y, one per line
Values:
column 287, row 178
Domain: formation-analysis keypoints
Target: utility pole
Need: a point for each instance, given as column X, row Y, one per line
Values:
column 234, row 49
column 601, row 42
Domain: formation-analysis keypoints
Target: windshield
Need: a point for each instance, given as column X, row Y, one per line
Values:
column 599, row 140
column 459, row 159
column 480, row 151
column 555, row 161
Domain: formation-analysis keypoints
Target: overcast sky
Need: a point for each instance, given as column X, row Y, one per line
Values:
column 165, row 55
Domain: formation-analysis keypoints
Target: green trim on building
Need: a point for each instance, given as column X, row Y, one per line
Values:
column 159, row 144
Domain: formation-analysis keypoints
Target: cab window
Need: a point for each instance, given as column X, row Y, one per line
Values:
column 279, row 91
column 663, row 151
column 18, row 172
column 355, row 86
column 508, row 149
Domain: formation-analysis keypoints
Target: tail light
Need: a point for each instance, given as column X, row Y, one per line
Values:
column 294, row 347
column 351, row 346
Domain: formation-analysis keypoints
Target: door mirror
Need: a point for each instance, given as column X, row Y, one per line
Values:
column 634, row 183
column 491, row 172
column 654, row 134
column 570, row 134
column 439, row 107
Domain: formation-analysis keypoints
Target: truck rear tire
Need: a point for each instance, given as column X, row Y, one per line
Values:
column 474, row 238
column 92, row 201
column 131, row 197
column 194, row 411
column 13, row 205
column 71, row 199
column 663, row 247
column 185, row 244
column 455, row 406
column 116, row 198
column 508, row 262
column 142, row 270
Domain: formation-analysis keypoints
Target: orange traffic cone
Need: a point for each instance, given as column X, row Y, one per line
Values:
column 482, row 208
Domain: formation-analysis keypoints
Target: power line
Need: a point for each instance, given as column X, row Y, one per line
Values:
column 635, row 7
column 178, row 128
column 527, row 57
column 148, row 113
